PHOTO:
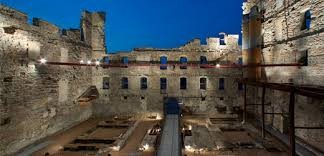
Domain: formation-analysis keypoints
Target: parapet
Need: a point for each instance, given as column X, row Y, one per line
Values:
column 98, row 19
column 74, row 34
column 232, row 40
column 248, row 5
column 213, row 43
column 44, row 25
column 14, row 14
column 192, row 45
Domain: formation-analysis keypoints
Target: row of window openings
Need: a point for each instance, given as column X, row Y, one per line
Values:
column 202, row 98
column 164, row 61
column 163, row 83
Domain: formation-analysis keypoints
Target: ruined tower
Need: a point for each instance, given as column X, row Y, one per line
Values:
column 93, row 32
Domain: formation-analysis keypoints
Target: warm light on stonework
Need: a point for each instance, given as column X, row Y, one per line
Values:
column 43, row 61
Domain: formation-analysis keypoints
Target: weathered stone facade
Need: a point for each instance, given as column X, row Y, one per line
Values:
column 146, row 63
column 291, row 32
column 38, row 100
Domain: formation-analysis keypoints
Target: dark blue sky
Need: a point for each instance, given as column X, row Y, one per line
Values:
column 143, row 23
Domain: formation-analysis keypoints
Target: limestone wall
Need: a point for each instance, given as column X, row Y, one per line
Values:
column 136, row 101
column 38, row 100
column 284, row 41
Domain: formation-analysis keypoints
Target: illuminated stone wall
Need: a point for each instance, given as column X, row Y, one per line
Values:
column 39, row 100
column 285, row 39
column 135, row 100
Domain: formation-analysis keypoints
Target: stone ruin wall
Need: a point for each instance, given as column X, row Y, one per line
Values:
column 150, row 101
column 39, row 100
column 285, row 42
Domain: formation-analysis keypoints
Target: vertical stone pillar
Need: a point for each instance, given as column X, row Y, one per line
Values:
column 254, row 52
column 245, row 41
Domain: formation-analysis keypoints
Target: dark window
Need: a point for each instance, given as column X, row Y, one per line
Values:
column 5, row 121
column 124, row 82
column 221, row 98
column 306, row 20
column 240, row 86
column 163, row 83
column 106, row 60
column 105, row 83
column 143, row 83
column 203, row 61
column 183, row 62
column 125, row 97
column 304, row 58
column 222, row 42
column 183, row 83
column 240, row 61
column 221, row 84
column 222, row 39
column 203, row 83
column 163, row 62
column 203, row 98
column 125, row 60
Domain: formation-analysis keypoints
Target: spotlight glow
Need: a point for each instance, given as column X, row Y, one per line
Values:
column 89, row 62
column 42, row 61
column 217, row 65
column 97, row 63
column 81, row 61
column 146, row 147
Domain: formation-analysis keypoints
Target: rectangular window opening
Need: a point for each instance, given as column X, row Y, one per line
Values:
column 183, row 83
column 221, row 85
column 143, row 83
column 105, row 83
column 163, row 83
column 306, row 20
column 304, row 58
column 240, row 86
column 124, row 83
column 203, row 83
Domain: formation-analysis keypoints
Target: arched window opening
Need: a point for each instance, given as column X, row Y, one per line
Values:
column 105, row 83
column 307, row 19
column 163, row 62
column 183, row 62
column 143, row 83
column 203, row 83
column 203, row 61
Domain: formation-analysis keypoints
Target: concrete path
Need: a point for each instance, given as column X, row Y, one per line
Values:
column 170, row 142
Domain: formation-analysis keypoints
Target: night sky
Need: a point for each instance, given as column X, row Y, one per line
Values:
column 143, row 23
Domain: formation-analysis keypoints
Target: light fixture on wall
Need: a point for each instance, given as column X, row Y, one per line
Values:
column 89, row 62
column 97, row 63
column 81, row 62
column 217, row 65
column 42, row 60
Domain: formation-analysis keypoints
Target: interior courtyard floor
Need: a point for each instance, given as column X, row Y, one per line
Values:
column 244, row 140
